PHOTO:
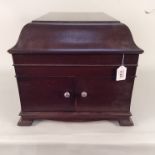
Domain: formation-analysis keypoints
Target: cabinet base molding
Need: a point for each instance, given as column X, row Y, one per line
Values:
column 123, row 118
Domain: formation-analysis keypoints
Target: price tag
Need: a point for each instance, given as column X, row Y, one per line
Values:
column 121, row 73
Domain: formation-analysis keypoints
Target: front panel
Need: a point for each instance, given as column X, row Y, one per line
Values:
column 46, row 94
column 104, row 95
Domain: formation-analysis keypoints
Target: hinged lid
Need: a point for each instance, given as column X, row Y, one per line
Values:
column 75, row 33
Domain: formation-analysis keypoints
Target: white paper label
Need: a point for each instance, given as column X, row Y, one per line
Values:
column 121, row 73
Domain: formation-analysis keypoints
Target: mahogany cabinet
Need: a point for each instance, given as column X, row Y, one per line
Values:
column 66, row 64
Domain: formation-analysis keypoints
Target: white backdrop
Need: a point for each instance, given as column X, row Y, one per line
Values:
column 77, row 138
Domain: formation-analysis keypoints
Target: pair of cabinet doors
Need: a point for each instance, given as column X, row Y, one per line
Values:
column 69, row 94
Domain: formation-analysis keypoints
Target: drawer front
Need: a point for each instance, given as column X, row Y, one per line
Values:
column 84, row 59
column 46, row 94
column 78, row 71
column 103, row 95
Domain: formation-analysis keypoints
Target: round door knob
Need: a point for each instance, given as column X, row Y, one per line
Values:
column 67, row 94
column 84, row 94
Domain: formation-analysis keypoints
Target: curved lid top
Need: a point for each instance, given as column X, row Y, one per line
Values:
column 75, row 33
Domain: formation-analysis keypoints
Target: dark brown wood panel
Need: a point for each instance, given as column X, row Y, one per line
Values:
column 75, row 116
column 82, row 71
column 46, row 94
column 104, row 95
column 107, row 59
column 114, row 38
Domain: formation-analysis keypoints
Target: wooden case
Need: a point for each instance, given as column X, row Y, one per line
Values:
column 66, row 64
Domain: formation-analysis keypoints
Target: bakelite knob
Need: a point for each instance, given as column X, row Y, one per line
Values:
column 84, row 94
column 67, row 94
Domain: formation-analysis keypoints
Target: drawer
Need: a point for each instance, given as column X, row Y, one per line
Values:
column 107, row 59
column 46, row 94
column 78, row 71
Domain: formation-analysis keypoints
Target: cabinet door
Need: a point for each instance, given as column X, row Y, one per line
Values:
column 46, row 94
column 103, row 94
